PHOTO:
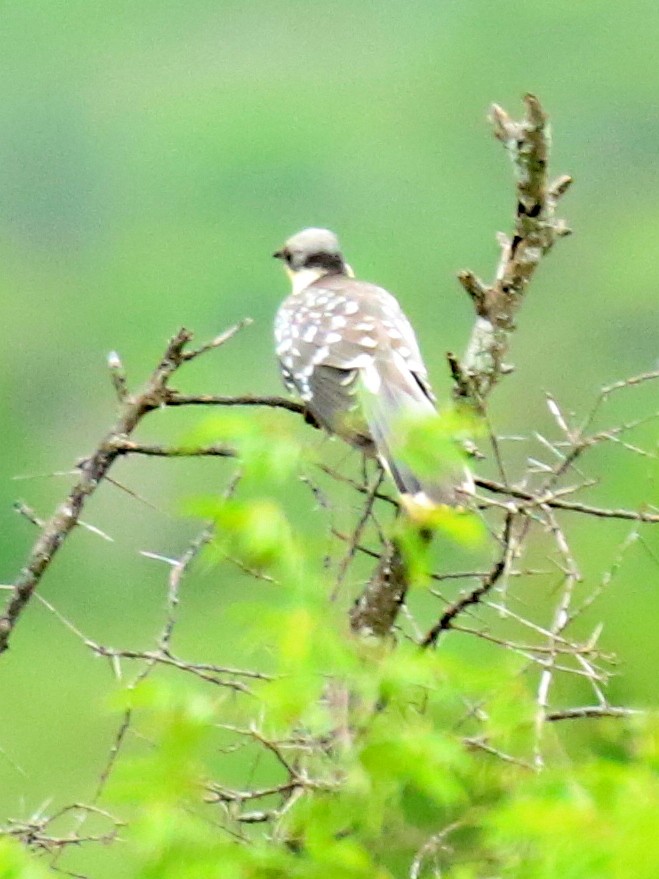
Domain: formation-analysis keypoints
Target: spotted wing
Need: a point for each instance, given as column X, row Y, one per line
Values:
column 335, row 335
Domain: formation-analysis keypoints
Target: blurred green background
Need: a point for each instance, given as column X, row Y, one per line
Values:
column 154, row 154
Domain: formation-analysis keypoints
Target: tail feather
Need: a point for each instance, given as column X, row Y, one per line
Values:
column 391, row 392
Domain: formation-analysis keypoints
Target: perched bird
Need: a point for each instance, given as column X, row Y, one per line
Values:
column 346, row 348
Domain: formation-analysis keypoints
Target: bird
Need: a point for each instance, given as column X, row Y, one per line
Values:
column 348, row 351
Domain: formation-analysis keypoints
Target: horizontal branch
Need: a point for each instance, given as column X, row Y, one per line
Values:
column 549, row 499
column 585, row 711
column 557, row 503
column 215, row 450
column 211, row 673
column 175, row 399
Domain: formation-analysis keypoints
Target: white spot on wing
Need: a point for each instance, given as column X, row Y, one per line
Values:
column 320, row 354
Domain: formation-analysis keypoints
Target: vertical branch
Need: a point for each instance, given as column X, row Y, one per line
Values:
column 536, row 228
column 376, row 609
column 561, row 620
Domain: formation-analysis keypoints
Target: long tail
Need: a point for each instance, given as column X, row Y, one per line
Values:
column 391, row 392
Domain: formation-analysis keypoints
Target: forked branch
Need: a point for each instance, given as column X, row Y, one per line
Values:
column 92, row 470
column 536, row 229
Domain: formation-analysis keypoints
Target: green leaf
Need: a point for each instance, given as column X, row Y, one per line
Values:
column 257, row 531
column 268, row 451
column 431, row 444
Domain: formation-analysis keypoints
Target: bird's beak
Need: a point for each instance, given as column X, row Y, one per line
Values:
column 279, row 254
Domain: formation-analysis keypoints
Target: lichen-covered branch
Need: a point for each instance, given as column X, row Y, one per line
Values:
column 376, row 609
column 535, row 231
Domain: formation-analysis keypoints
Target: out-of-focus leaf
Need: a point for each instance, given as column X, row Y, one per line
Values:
column 430, row 444
column 16, row 863
column 256, row 530
column 268, row 451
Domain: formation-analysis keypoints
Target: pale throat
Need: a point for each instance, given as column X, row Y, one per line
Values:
column 302, row 278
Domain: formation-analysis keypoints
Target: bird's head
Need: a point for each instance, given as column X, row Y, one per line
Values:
column 311, row 254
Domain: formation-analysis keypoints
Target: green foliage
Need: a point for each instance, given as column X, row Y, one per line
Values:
column 370, row 806
column 432, row 445
column 597, row 820
column 269, row 452
column 343, row 756
column 351, row 757
column 255, row 529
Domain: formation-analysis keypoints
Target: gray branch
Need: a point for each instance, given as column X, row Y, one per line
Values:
column 536, row 229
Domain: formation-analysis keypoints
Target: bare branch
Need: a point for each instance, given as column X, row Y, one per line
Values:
column 92, row 471
column 556, row 503
column 175, row 399
column 118, row 376
column 215, row 450
column 535, row 231
column 356, row 537
column 584, row 711
column 474, row 597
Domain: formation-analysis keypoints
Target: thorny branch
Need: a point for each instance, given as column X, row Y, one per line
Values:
column 38, row 833
column 92, row 471
column 488, row 582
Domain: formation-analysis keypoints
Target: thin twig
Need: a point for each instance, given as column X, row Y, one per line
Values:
column 556, row 503
column 474, row 597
